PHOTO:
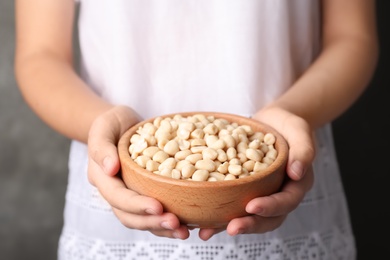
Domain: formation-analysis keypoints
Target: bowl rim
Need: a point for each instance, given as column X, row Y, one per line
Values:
column 281, row 159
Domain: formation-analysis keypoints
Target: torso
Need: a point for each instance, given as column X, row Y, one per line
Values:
column 221, row 55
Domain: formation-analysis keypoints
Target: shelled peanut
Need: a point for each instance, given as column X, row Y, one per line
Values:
column 201, row 148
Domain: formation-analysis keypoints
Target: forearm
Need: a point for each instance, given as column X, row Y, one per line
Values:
column 57, row 95
column 343, row 69
column 44, row 68
column 333, row 83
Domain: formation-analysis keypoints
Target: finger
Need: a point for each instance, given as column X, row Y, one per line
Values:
column 165, row 225
column 301, row 150
column 283, row 202
column 164, row 221
column 104, row 135
column 180, row 233
column 106, row 157
column 298, row 134
column 102, row 149
column 253, row 224
column 206, row 233
column 113, row 189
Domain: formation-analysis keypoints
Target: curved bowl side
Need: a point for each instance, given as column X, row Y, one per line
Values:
column 205, row 204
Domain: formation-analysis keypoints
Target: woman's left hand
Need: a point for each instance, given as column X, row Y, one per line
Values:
column 269, row 212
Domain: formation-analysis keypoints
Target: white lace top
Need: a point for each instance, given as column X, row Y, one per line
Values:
column 166, row 56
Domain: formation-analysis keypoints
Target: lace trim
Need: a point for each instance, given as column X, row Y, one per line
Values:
column 335, row 244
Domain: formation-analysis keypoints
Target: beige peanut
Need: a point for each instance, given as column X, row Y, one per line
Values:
column 201, row 148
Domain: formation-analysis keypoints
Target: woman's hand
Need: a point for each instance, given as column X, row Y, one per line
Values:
column 269, row 212
column 132, row 209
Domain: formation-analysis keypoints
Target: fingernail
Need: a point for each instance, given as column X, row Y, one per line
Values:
column 107, row 163
column 176, row 235
column 297, row 169
column 166, row 225
column 257, row 210
column 239, row 231
column 150, row 211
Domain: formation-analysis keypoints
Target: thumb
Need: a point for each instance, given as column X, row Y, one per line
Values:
column 301, row 155
column 298, row 135
column 104, row 135
column 102, row 149
column 105, row 155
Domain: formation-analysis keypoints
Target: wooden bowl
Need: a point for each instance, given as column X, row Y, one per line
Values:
column 205, row 204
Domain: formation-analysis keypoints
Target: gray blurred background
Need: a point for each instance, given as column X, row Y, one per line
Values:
column 33, row 161
column 33, row 166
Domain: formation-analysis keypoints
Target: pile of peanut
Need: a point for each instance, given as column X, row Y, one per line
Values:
column 201, row 148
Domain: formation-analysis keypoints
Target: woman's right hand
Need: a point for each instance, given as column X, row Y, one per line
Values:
column 132, row 209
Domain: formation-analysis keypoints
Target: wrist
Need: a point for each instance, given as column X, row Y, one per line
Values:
column 280, row 114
